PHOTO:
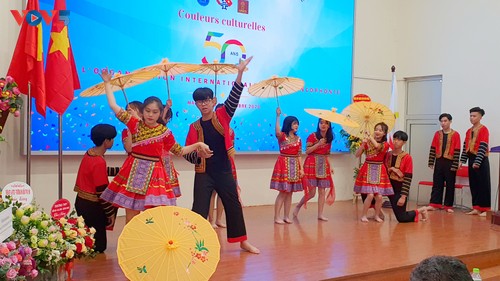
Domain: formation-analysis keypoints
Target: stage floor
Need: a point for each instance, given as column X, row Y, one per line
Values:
column 310, row 249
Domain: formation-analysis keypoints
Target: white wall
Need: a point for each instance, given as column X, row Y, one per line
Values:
column 455, row 38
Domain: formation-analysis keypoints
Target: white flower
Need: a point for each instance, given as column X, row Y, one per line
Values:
column 70, row 254
column 34, row 231
column 63, row 220
column 81, row 224
column 80, row 219
column 25, row 220
column 81, row 231
column 52, row 228
column 53, row 245
column 44, row 224
column 92, row 230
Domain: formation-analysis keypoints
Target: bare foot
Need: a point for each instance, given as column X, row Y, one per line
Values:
column 378, row 219
column 483, row 214
column 430, row 208
column 364, row 219
column 450, row 210
column 382, row 216
column 424, row 214
column 221, row 224
column 279, row 221
column 473, row 212
column 245, row 245
column 322, row 218
column 296, row 211
column 287, row 220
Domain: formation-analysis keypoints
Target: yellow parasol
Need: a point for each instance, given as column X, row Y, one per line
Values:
column 168, row 243
column 276, row 86
column 120, row 82
column 367, row 114
column 167, row 68
column 216, row 68
column 332, row 116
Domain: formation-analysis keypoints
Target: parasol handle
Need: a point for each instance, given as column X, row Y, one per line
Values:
column 168, row 88
column 125, row 95
column 277, row 100
column 215, row 88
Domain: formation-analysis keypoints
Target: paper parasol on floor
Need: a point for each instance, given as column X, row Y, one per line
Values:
column 332, row 116
column 168, row 68
column 216, row 68
column 275, row 87
column 367, row 114
column 120, row 82
column 168, row 243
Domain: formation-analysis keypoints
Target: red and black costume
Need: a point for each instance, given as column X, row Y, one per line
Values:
column 401, row 182
column 476, row 150
column 215, row 173
column 444, row 156
column 91, row 181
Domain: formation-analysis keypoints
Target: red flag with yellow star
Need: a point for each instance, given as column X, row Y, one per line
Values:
column 27, row 62
column 60, row 72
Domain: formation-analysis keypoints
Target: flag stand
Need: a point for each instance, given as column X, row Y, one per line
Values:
column 59, row 156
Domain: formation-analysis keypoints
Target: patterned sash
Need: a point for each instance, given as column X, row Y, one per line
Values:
column 374, row 172
column 140, row 175
column 320, row 166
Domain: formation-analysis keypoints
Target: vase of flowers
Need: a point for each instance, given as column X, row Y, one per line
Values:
column 10, row 100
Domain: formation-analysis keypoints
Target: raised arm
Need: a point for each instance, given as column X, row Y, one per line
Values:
column 168, row 105
column 106, row 77
column 233, row 99
column 277, row 127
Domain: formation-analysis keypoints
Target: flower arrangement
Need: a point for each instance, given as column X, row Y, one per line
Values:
column 16, row 262
column 351, row 142
column 37, row 229
column 10, row 99
column 79, row 237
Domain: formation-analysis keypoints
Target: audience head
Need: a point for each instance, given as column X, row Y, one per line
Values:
column 440, row 268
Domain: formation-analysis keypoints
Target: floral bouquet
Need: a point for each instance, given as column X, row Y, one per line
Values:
column 37, row 229
column 10, row 99
column 351, row 142
column 79, row 237
column 16, row 262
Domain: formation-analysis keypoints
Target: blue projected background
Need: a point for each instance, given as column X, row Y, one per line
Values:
column 311, row 40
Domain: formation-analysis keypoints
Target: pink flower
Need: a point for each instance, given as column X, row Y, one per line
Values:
column 16, row 91
column 9, row 79
column 11, row 274
column 28, row 251
column 34, row 273
column 17, row 113
column 4, row 105
column 11, row 245
column 14, row 259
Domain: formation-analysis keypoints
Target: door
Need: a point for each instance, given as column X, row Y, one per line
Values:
column 423, row 107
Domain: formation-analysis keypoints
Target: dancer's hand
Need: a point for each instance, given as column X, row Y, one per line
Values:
column 168, row 104
column 402, row 200
column 278, row 111
column 475, row 166
column 241, row 66
column 322, row 141
column 204, row 151
column 105, row 75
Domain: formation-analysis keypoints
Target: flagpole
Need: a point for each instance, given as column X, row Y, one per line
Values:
column 59, row 154
column 28, row 137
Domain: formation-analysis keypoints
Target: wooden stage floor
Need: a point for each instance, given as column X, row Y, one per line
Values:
column 340, row 249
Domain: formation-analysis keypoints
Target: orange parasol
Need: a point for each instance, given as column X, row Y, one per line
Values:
column 168, row 68
column 120, row 82
column 216, row 68
column 332, row 116
column 168, row 243
column 367, row 114
column 276, row 86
